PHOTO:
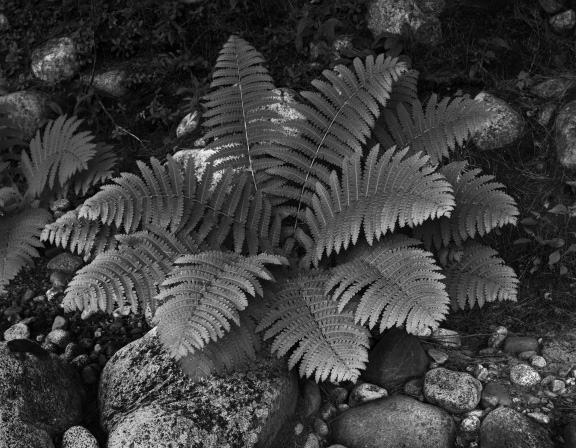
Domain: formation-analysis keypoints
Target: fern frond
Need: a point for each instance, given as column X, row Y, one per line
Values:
column 403, row 284
column 238, row 111
column 404, row 90
column 337, row 123
column 231, row 351
column 58, row 155
column 330, row 345
column 479, row 277
column 391, row 189
column 480, row 207
column 435, row 131
column 203, row 293
column 99, row 168
column 80, row 235
column 19, row 240
column 132, row 273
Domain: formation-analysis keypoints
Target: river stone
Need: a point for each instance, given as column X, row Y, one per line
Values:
column 366, row 392
column 457, row 392
column 65, row 262
column 518, row 344
column 506, row 127
column 553, row 88
column 394, row 422
column 565, row 135
column 312, row 398
column 524, row 375
column 551, row 6
column 563, row 21
column 397, row 357
column 55, row 61
column 28, row 110
column 505, row 427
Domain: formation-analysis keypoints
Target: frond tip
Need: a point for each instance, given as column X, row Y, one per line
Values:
column 397, row 283
column 480, row 276
column 330, row 345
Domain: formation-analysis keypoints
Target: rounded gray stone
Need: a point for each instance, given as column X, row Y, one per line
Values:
column 457, row 392
column 505, row 427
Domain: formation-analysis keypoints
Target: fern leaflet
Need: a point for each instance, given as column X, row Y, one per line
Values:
column 390, row 189
column 479, row 277
column 403, row 284
column 480, row 207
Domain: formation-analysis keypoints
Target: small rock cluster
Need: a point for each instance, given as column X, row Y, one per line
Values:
column 503, row 395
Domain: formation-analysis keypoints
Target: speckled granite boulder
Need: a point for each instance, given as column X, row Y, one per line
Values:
column 40, row 397
column 79, row 437
column 55, row 61
column 145, row 397
column 457, row 392
column 394, row 422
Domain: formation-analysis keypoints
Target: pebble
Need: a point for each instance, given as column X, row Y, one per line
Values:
column 78, row 437
column 524, row 375
column 320, row 427
column 298, row 429
column 72, row 351
column 65, row 262
column 366, row 392
column 343, row 407
column 60, row 338
column 328, row 411
column 539, row 417
column 88, row 313
column 60, row 323
column 28, row 294
column 339, row 395
column 89, row 374
column 60, row 205
column 557, row 386
column 17, row 331
column 53, row 293
column 312, row 398
column 438, row 355
column 59, row 279
column 518, row 344
column 80, row 361
column 470, row 424
column 527, row 355
column 414, row 387
column 447, row 338
column 498, row 337
column 312, row 441
column 538, row 362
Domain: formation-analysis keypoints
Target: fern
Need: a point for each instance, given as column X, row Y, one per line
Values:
column 391, row 188
column 203, row 293
column 19, row 241
column 434, row 131
column 480, row 207
column 479, row 277
column 57, row 156
column 80, row 235
column 195, row 249
column 403, row 285
column 330, row 345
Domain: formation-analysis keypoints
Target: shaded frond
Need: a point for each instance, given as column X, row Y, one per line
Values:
column 338, row 121
column 390, row 189
column 99, row 168
column 435, row 131
column 80, row 235
column 130, row 274
column 399, row 282
column 57, row 156
column 231, row 351
column 19, row 240
column 203, row 293
column 330, row 345
column 479, row 277
column 480, row 207
column 238, row 113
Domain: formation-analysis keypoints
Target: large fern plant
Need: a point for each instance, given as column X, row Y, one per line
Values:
column 57, row 160
column 354, row 208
